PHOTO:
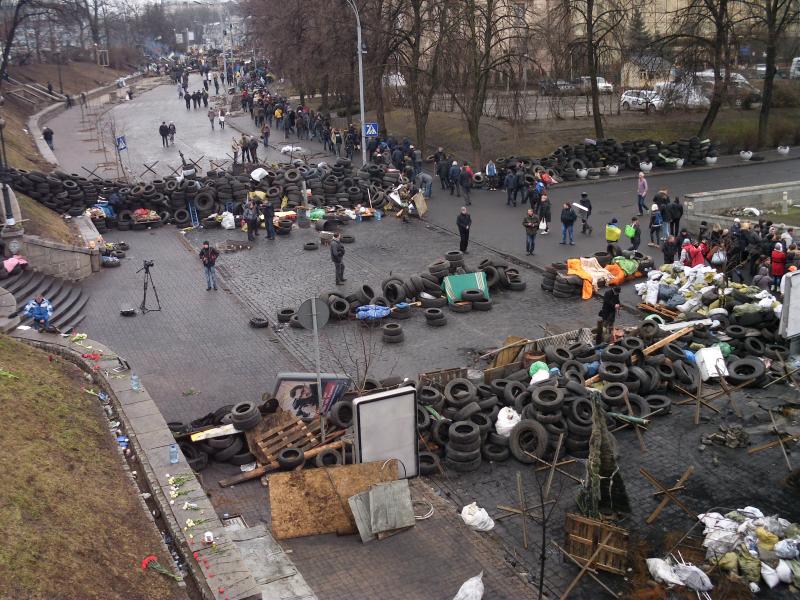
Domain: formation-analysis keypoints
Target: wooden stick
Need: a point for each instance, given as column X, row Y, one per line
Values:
column 493, row 352
column 698, row 403
column 668, row 495
column 513, row 510
column 553, row 466
column 587, row 566
column 780, row 441
column 773, row 443
column 636, row 428
column 789, row 374
column 523, row 510
column 262, row 470
column 650, row 349
column 590, row 572
column 541, row 460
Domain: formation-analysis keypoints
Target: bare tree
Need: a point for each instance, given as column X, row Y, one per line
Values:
column 771, row 18
column 18, row 12
column 480, row 44
column 421, row 58
column 597, row 24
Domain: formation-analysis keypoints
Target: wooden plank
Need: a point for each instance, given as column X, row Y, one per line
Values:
column 213, row 433
column 264, row 469
column 359, row 505
column 314, row 502
column 509, row 351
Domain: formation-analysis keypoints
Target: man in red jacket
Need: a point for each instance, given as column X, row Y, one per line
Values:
column 777, row 266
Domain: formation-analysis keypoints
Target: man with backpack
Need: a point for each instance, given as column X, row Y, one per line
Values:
column 655, row 225
column 453, row 176
column 509, row 182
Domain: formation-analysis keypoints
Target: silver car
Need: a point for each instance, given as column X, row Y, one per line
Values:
column 641, row 100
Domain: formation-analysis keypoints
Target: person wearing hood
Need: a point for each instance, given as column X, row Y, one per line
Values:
column 777, row 265
column 543, row 212
column 762, row 280
column 41, row 311
column 508, row 183
column 686, row 252
column 172, row 132
column 453, row 177
column 655, row 225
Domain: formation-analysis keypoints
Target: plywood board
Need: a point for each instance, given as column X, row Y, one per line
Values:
column 314, row 501
column 390, row 506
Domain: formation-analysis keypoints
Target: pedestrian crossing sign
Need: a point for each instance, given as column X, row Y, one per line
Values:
column 121, row 144
column 370, row 130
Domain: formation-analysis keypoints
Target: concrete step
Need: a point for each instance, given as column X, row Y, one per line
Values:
column 8, row 325
column 70, row 317
column 68, row 300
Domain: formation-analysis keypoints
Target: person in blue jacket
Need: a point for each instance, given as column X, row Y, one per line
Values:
column 40, row 310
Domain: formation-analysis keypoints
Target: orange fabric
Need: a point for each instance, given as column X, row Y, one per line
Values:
column 617, row 272
column 574, row 268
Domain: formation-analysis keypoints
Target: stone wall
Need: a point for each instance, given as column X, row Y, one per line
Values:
column 708, row 206
column 60, row 260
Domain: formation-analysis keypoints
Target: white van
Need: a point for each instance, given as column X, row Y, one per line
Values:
column 794, row 70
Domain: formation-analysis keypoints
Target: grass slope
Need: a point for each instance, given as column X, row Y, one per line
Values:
column 72, row 525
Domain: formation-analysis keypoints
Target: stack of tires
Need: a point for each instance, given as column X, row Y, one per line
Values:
column 500, row 276
column 435, row 317
column 393, row 333
column 463, row 448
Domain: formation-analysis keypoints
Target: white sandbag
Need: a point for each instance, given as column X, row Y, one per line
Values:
column 471, row 589
column 539, row 376
column 720, row 541
column 228, row 221
column 662, row 571
column 651, row 296
column 769, row 575
column 506, row 419
column 784, row 571
column 787, row 549
column 693, row 578
column 750, row 511
column 476, row 517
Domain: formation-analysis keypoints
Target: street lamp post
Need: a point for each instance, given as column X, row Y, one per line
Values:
column 360, row 50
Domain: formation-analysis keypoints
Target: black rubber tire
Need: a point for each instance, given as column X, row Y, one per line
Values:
column 483, row 421
column 488, row 403
column 743, row 369
column 227, row 453
column 311, row 246
column 462, row 467
column 463, row 432
column 222, row 442
column 348, row 239
column 391, row 329
column 482, row 305
column 459, row 392
column 341, row 414
column 198, row 463
column 245, row 415
column 578, row 429
column 737, row 332
column 496, row 452
column 243, row 458
column 285, row 315
column 461, row 455
column 394, row 339
column 557, row 355
column 527, row 435
column 754, row 346
column 613, row 371
column 657, row 402
column 466, row 411
column 497, row 439
column 581, row 411
column 429, row 463
column 666, row 372
column 423, row 419
column 290, row 458
column 615, row 353
column 512, row 391
column 547, row 398
column 328, row 458
column 472, row 295
column 673, row 351
column 460, row 307
column 614, row 394
column 258, row 322
column 430, row 396
column 543, row 418
column 440, row 431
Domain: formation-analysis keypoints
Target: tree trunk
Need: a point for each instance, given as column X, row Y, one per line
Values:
column 719, row 82
column 380, row 107
column 473, row 126
column 324, row 94
column 766, row 96
column 591, row 57
column 11, row 32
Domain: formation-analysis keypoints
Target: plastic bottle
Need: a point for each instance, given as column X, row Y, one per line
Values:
column 135, row 385
column 173, row 454
column 378, row 215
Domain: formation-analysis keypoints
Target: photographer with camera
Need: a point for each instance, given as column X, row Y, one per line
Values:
column 208, row 256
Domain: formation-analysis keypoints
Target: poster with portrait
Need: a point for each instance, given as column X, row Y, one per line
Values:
column 297, row 394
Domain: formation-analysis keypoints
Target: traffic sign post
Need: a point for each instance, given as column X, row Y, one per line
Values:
column 370, row 130
column 313, row 314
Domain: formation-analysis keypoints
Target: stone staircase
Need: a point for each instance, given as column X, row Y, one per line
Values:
column 68, row 300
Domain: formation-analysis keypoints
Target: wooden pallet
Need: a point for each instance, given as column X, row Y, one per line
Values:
column 586, row 537
column 265, row 444
column 441, row 378
column 658, row 309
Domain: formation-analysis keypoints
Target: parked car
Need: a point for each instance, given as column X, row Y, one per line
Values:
column 641, row 100
column 794, row 70
column 549, row 87
column 761, row 70
column 682, row 95
column 603, row 86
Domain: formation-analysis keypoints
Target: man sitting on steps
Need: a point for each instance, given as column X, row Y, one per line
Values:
column 40, row 310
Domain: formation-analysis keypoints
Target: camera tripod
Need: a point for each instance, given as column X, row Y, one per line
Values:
column 148, row 281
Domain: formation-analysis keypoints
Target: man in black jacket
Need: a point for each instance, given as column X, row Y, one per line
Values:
column 670, row 249
column 608, row 313
column 568, row 218
column 464, row 222
column 675, row 212
column 337, row 256
column 163, row 131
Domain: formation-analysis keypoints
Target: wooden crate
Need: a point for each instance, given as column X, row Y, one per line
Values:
column 441, row 378
column 266, row 443
column 658, row 309
column 584, row 535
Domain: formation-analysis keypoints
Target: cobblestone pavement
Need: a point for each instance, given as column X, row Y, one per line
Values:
column 278, row 274
column 199, row 352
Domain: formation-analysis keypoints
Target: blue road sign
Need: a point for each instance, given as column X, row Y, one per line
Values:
column 121, row 145
column 370, row 130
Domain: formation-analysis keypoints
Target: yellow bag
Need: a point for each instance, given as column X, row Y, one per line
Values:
column 613, row 233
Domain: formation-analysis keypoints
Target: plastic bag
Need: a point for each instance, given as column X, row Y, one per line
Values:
column 693, row 578
column 784, row 571
column 769, row 575
column 476, row 517
column 506, row 419
column 537, row 366
column 228, row 221
column 540, row 376
column 651, row 296
column 766, row 539
column 471, row 589
column 787, row 549
column 662, row 571
column 749, row 566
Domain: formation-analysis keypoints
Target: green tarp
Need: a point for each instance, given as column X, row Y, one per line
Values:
column 453, row 285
